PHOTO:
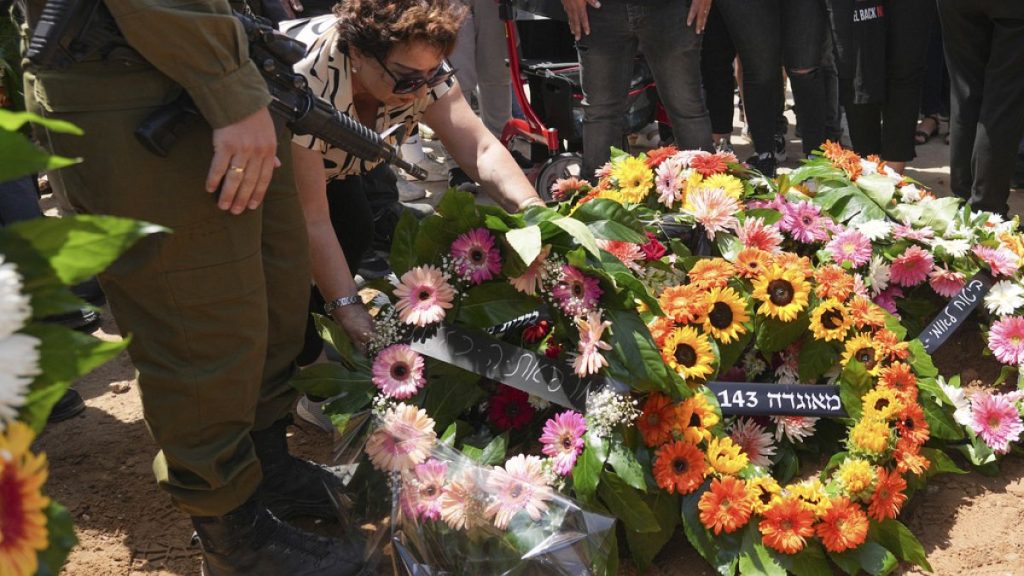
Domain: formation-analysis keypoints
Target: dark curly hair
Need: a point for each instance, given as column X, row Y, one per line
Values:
column 376, row 26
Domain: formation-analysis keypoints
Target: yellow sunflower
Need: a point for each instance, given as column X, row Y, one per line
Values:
column 22, row 517
column 856, row 475
column 635, row 179
column 870, row 435
column 725, row 456
column 726, row 313
column 882, row 404
column 763, row 491
column 696, row 416
column 863, row 348
column 730, row 184
column 811, row 494
column 830, row 320
column 782, row 291
column 688, row 353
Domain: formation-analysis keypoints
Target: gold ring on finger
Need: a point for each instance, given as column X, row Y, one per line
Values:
column 237, row 169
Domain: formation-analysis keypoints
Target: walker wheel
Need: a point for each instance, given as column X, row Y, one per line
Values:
column 564, row 165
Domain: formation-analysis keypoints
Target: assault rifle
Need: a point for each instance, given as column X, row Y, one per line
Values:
column 68, row 29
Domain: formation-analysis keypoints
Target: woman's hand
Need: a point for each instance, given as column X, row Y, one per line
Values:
column 357, row 323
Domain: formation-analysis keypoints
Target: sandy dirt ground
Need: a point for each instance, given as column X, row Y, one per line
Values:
column 100, row 469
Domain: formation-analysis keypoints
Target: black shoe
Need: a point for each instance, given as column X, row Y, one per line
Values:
column 374, row 265
column 291, row 486
column 779, row 143
column 457, row 178
column 763, row 163
column 83, row 320
column 250, row 541
column 90, row 291
column 69, row 406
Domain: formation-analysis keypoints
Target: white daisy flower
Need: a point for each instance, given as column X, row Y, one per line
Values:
column 878, row 275
column 956, row 395
column 1004, row 297
column 956, row 248
column 15, row 307
column 19, row 365
column 911, row 194
column 875, row 229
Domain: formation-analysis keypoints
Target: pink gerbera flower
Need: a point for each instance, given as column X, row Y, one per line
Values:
column 803, row 221
column 603, row 172
column 423, row 296
column 907, row 232
column 946, row 282
column 529, row 281
column 429, row 480
column 754, row 440
column 996, row 420
column 912, row 267
column 463, row 503
column 565, row 188
column 754, row 233
column 1006, row 340
column 398, row 371
column 403, row 440
column 589, row 360
column 887, row 299
column 669, row 181
column 476, row 257
column 850, row 246
column 518, row 487
column 563, row 440
column 628, row 253
column 794, row 428
column 1001, row 261
column 576, row 293
column 713, row 209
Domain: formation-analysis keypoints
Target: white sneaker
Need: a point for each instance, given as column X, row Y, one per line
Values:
column 313, row 413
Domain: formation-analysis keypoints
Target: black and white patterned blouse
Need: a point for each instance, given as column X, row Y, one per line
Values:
column 328, row 72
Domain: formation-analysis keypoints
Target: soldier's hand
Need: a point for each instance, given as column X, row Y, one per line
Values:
column 244, row 158
column 357, row 323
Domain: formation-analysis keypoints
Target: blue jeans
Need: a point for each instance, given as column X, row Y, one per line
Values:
column 672, row 50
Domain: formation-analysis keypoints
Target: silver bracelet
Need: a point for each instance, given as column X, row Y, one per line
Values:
column 339, row 302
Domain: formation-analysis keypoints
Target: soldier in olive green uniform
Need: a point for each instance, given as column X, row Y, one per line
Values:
column 215, row 308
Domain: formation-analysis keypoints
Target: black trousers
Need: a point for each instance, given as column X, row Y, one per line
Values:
column 886, row 126
column 717, row 55
column 984, row 44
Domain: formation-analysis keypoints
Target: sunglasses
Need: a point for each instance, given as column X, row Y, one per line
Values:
column 407, row 85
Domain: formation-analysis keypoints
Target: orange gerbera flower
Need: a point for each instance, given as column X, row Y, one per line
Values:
column 844, row 526
column 658, row 155
column 911, row 424
column 786, row 524
column 833, row 282
column 696, row 417
column 864, row 312
column 711, row 273
column 682, row 303
column 899, row 377
column 795, row 261
column 660, row 328
column 891, row 345
column 726, row 506
column 679, row 467
column 657, row 420
column 909, row 459
column 751, row 262
column 888, row 497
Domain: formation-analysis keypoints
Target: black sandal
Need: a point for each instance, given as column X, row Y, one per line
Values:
column 923, row 136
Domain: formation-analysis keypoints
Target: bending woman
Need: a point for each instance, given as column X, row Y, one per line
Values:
column 383, row 63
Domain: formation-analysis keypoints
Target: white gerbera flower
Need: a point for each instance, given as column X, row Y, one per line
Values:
column 875, row 229
column 19, row 365
column 911, row 194
column 878, row 276
column 15, row 308
column 1004, row 297
column 794, row 428
column 956, row 247
column 956, row 395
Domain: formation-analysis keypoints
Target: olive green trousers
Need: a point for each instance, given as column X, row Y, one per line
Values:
column 216, row 308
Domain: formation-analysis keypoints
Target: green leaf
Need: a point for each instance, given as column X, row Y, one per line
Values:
column 586, row 475
column 64, row 356
column 335, row 336
column 434, row 239
column 579, row 231
column 816, row 358
column 877, row 187
column 899, row 540
column 626, row 504
column 603, row 209
column 526, row 242
column 21, row 157
column 941, row 422
column 494, row 453
column 774, row 335
column 940, row 462
column 403, row 243
column 12, row 121
column 767, row 214
column 493, row 303
column 625, row 464
column 730, row 353
column 458, row 207
column 921, row 361
column 612, row 230
column 449, row 391
column 728, row 245
column 632, row 343
column 644, row 546
column 870, row 557
column 349, row 391
column 854, row 382
column 810, row 561
column 79, row 247
column 754, row 557
column 787, row 463
column 61, row 539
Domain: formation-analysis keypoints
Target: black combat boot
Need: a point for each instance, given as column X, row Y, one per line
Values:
column 291, row 486
column 250, row 541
